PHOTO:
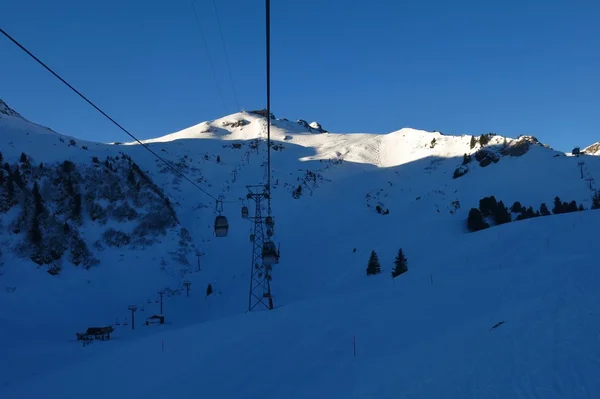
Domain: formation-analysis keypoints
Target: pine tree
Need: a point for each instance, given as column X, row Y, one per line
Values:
column 596, row 200
column 37, row 198
column 581, row 208
column 502, row 215
column 35, row 233
column 544, row 209
column 466, row 159
column 572, row 207
column 516, row 207
column 209, row 289
column 473, row 142
column 400, row 264
column 475, row 220
column 374, row 267
column 131, row 177
column 558, row 206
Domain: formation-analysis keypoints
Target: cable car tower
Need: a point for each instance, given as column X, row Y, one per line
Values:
column 264, row 252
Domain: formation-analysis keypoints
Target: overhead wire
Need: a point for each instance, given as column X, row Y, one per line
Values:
column 237, row 104
column 181, row 174
column 212, row 66
column 268, row 35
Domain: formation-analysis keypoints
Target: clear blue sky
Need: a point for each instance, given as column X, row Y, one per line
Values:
column 511, row 67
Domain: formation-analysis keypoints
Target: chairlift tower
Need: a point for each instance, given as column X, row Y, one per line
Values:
column 260, row 273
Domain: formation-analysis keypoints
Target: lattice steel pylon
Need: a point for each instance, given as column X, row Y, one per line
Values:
column 260, row 273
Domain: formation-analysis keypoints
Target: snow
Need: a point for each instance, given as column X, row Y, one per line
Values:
column 426, row 334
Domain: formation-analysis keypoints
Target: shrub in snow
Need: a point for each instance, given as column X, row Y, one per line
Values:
column 116, row 238
column 400, row 264
column 373, row 267
column 466, row 159
column 460, row 171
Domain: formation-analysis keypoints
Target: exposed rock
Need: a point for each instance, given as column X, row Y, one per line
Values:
column 6, row 110
column 317, row 126
column 486, row 157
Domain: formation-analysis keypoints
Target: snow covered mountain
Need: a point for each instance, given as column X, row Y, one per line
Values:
column 89, row 229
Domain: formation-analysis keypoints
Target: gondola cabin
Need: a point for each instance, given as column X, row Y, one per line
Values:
column 270, row 254
column 221, row 226
column 269, row 222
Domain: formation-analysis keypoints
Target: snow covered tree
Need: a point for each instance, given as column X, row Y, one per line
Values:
column 374, row 267
column 400, row 264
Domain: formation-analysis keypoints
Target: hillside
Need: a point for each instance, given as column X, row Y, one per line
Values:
column 336, row 197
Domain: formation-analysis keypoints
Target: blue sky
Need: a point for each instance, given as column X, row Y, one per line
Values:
column 511, row 67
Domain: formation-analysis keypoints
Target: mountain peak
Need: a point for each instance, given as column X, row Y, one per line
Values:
column 6, row 110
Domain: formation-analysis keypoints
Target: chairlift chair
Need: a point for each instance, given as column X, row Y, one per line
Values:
column 270, row 254
column 221, row 226
column 245, row 212
column 252, row 237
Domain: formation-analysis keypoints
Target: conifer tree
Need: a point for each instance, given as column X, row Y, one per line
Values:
column 209, row 289
column 596, row 200
column 558, row 206
column 374, row 267
column 475, row 220
column 473, row 142
column 37, row 198
column 544, row 209
column 400, row 264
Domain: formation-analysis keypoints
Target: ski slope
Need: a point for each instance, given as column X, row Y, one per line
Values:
column 425, row 334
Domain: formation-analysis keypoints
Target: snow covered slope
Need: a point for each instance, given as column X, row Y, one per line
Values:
column 336, row 197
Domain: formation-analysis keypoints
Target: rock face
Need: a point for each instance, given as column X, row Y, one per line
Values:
column 314, row 127
column 317, row 126
column 594, row 149
column 486, row 157
column 6, row 110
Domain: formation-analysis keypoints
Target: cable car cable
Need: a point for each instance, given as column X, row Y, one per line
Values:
column 105, row 114
column 237, row 104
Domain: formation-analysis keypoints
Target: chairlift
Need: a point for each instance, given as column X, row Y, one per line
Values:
column 245, row 212
column 269, row 233
column 270, row 254
column 252, row 237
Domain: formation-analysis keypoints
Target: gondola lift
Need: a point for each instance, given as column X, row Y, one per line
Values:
column 221, row 223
